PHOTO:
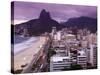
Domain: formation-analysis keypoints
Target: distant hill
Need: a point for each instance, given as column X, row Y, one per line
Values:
column 82, row 22
column 38, row 26
column 45, row 23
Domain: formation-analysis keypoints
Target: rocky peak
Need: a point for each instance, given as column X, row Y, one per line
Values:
column 44, row 14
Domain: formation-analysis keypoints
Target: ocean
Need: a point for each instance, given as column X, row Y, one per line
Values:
column 21, row 43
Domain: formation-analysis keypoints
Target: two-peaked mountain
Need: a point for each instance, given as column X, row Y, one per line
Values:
column 38, row 26
column 45, row 23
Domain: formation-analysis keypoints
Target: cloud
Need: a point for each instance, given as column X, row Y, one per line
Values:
column 28, row 10
column 14, row 22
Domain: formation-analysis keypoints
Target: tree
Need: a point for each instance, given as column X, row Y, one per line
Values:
column 18, row 71
column 76, row 67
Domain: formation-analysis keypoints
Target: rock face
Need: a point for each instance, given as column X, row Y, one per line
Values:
column 38, row 26
column 44, row 15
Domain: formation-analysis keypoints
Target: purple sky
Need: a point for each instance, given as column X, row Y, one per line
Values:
column 24, row 11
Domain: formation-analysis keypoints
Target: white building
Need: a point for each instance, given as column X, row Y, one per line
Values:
column 93, row 55
column 92, row 38
column 58, row 63
column 82, row 58
column 59, row 35
column 54, row 32
column 70, row 37
column 61, row 59
column 84, row 43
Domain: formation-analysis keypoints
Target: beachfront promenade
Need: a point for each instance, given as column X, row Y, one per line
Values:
column 35, row 55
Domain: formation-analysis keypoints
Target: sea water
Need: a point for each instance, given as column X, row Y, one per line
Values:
column 21, row 43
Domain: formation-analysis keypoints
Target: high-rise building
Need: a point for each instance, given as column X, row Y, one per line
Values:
column 84, row 42
column 93, row 55
column 82, row 58
column 54, row 31
column 92, row 38
column 59, row 35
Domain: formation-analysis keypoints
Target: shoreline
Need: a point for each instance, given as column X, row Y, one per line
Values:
column 20, row 47
column 26, row 55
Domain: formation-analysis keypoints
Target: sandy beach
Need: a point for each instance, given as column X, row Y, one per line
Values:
column 28, row 54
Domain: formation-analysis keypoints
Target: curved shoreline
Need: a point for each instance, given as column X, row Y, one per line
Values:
column 26, row 55
column 20, row 47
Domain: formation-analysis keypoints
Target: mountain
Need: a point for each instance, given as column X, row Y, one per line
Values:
column 82, row 22
column 45, row 23
column 38, row 26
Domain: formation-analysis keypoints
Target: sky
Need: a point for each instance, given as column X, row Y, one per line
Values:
column 24, row 11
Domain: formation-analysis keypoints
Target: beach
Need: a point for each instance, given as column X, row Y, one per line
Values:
column 25, row 56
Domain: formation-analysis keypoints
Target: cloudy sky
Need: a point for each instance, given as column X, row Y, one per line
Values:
column 24, row 11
